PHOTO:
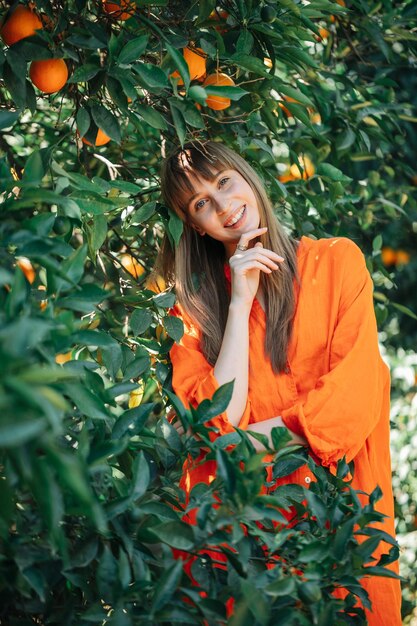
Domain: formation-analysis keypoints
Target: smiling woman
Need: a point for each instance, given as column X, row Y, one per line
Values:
column 291, row 322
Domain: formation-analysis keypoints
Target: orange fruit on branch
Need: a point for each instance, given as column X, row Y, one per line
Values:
column 49, row 75
column 218, row 79
column 294, row 173
column 121, row 10
column 132, row 265
column 196, row 61
column 388, row 256
column 27, row 268
column 155, row 283
column 101, row 139
column 403, row 257
column 21, row 24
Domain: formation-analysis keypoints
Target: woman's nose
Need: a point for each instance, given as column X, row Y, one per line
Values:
column 222, row 204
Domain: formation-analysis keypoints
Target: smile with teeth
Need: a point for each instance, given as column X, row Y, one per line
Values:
column 236, row 217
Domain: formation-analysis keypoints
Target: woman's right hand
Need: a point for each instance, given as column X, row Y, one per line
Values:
column 246, row 265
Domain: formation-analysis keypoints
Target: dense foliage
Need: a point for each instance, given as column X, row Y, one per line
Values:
column 323, row 105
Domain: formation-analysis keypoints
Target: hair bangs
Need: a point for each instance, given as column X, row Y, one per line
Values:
column 185, row 167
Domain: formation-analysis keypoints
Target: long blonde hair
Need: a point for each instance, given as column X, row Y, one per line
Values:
column 196, row 266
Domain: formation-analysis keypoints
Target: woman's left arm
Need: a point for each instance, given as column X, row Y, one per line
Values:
column 265, row 428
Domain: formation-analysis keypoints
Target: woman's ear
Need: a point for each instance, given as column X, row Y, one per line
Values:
column 199, row 230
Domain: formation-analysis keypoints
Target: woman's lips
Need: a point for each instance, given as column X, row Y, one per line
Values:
column 242, row 212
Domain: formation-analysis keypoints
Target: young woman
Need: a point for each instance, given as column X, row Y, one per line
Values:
column 292, row 322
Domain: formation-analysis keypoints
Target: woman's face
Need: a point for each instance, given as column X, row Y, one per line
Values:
column 224, row 207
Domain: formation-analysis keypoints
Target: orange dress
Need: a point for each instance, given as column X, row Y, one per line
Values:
column 334, row 391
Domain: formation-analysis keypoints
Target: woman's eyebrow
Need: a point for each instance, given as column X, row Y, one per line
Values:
column 211, row 179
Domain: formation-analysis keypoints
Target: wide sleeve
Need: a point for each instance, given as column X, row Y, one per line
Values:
column 347, row 402
column 193, row 377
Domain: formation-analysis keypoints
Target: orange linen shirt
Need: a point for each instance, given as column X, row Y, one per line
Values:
column 334, row 392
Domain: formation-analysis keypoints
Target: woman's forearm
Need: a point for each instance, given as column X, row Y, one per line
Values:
column 233, row 360
column 265, row 427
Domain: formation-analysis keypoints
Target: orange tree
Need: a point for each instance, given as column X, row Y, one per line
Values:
column 319, row 98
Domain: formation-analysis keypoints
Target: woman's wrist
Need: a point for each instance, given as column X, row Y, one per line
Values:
column 240, row 306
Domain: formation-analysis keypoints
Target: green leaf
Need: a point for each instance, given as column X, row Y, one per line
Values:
column 143, row 213
column 106, row 574
column 317, row 507
column 292, row 92
column 198, row 93
column 106, row 121
column 245, row 42
column 151, row 116
column 404, row 309
column 281, row 587
column 98, row 231
column 140, row 320
column 174, row 327
column 137, row 367
column 88, row 403
column 179, row 122
column 175, row 227
column 327, row 170
column 376, row 570
column 34, row 169
column 233, row 93
column 140, row 476
column 220, row 401
column 84, row 73
column 226, row 471
column 287, row 465
column 280, row 437
column 180, row 64
column 250, row 63
column 176, row 534
column 17, row 432
column 83, row 121
column 205, row 7
column 167, row 585
column 151, row 77
column 164, row 300
column 8, row 118
column 133, row 50
column 132, row 421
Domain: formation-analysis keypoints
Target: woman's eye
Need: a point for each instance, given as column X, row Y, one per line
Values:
column 199, row 204
column 223, row 181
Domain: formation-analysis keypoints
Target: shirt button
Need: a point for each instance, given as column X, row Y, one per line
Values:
column 307, row 480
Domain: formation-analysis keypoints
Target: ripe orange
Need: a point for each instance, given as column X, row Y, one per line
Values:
column 218, row 103
column 403, row 257
column 49, row 75
column 27, row 268
column 116, row 9
column 284, row 108
column 63, row 357
column 196, row 61
column 132, row 265
column 307, row 166
column 293, row 173
column 323, row 34
column 21, row 24
column 101, row 139
column 155, row 283
column 388, row 256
